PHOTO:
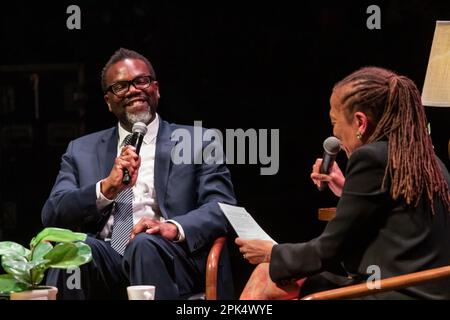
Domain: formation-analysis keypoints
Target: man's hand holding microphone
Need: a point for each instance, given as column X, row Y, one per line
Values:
column 126, row 166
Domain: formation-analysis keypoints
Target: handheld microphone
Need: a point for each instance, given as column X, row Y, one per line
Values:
column 139, row 130
column 331, row 147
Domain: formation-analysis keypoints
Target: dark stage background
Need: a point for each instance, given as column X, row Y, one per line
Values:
column 231, row 65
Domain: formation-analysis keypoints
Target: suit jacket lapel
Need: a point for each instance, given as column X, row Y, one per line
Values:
column 163, row 163
column 107, row 152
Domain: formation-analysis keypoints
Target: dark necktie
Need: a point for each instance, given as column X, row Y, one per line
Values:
column 123, row 215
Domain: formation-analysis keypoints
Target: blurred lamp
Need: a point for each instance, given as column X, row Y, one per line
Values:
column 436, row 88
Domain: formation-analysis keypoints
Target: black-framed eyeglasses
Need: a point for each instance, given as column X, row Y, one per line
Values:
column 120, row 88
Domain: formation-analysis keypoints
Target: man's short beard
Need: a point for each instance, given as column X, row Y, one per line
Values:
column 144, row 116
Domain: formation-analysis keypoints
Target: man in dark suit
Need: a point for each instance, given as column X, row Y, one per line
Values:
column 175, row 216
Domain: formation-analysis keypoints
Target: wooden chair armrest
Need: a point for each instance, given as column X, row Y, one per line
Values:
column 326, row 214
column 387, row 284
column 212, row 267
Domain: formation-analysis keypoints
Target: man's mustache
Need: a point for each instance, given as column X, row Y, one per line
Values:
column 131, row 99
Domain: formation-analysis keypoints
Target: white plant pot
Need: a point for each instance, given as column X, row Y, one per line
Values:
column 44, row 293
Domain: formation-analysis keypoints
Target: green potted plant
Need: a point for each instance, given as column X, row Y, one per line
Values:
column 25, row 268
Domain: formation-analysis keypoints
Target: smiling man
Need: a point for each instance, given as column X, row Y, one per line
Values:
column 156, row 230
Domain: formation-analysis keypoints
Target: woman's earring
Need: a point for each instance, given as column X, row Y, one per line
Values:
column 359, row 135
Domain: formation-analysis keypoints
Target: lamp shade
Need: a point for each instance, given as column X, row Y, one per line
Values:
column 436, row 88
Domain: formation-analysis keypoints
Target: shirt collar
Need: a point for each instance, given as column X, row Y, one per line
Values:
column 150, row 136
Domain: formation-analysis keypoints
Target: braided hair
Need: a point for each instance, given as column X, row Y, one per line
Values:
column 394, row 108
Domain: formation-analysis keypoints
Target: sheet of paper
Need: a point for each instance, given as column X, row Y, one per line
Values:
column 243, row 223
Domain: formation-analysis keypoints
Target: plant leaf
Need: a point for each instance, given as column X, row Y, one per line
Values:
column 9, row 247
column 8, row 284
column 18, row 267
column 68, row 255
column 57, row 235
column 41, row 250
column 37, row 272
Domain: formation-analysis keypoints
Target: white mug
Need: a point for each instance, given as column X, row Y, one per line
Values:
column 141, row 292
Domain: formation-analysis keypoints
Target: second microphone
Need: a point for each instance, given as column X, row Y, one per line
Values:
column 331, row 147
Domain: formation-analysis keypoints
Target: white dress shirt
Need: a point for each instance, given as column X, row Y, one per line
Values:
column 144, row 196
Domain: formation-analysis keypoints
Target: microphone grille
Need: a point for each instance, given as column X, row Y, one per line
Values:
column 140, row 127
column 332, row 145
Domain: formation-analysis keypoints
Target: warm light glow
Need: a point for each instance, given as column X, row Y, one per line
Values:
column 436, row 89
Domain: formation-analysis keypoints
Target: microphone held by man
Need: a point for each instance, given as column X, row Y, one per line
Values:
column 139, row 131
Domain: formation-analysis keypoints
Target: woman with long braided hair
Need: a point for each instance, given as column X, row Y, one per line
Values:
column 394, row 206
